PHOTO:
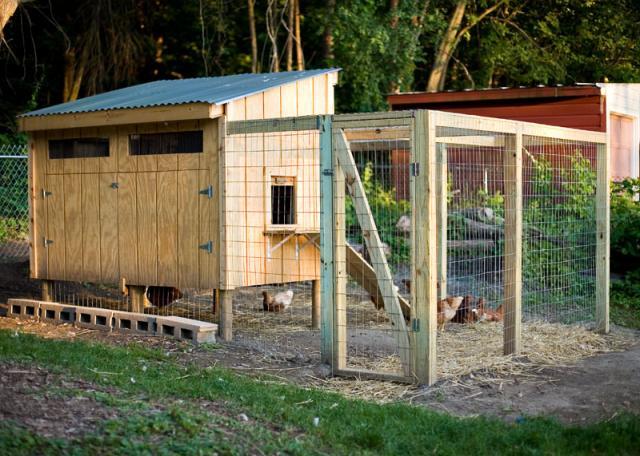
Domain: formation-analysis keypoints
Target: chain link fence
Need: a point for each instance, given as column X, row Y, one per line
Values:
column 14, row 203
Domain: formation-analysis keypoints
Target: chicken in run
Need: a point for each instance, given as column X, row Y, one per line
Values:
column 487, row 314
column 447, row 309
column 277, row 303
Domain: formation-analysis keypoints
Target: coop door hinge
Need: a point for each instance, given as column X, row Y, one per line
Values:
column 207, row 191
column 208, row 246
column 415, row 325
column 46, row 193
column 415, row 169
column 47, row 242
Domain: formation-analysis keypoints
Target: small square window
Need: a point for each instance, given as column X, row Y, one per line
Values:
column 283, row 201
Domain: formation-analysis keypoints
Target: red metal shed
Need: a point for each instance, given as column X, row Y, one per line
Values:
column 612, row 108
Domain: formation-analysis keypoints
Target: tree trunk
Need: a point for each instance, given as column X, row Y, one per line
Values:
column 7, row 8
column 73, row 75
column 327, row 35
column 254, row 39
column 290, row 33
column 272, row 33
column 299, row 55
column 393, row 7
column 447, row 45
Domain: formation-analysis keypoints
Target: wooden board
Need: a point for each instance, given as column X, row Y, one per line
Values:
column 38, row 225
column 127, row 227
column 73, row 226
column 188, row 223
column 602, row 239
column 90, row 222
column 55, row 226
column 109, row 246
column 147, row 227
column 167, row 207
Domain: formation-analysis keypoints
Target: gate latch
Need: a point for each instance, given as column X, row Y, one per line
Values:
column 47, row 242
column 207, row 191
column 46, row 193
column 414, row 168
column 208, row 246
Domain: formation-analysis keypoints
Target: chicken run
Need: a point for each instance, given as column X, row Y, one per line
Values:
column 409, row 246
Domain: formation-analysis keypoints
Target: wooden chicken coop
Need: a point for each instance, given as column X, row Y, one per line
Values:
column 142, row 184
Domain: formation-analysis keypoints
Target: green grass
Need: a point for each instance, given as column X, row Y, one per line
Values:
column 282, row 416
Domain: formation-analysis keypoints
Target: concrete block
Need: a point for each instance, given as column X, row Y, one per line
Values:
column 23, row 308
column 94, row 318
column 187, row 329
column 134, row 322
column 51, row 312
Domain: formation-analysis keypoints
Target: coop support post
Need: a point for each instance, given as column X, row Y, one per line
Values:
column 315, row 304
column 424, row 247
column 326, row 240
column 226, row 315
column 47, row 290
column 602, row 240
column 136, row 295
column 512, row 165
column 441, row 214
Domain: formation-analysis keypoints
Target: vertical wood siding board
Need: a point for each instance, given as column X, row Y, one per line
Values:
column 55, row 227
column 109, row 261
column 73, row 226
column 127, row 232
column 167, row 228
column 90, row 219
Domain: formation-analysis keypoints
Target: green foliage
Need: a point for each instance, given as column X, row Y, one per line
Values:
column 559, row 241
column 386, row 210
column 625, row 224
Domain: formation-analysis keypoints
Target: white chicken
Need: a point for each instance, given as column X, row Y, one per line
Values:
column 281, row 301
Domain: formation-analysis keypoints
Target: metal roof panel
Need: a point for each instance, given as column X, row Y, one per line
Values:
column 213, row 90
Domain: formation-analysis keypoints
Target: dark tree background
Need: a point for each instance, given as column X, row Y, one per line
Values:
column 59, row 50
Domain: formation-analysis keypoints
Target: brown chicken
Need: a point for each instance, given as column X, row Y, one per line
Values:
column 281, row 301
column 468, row 311
column 487, row 314
column 447, row 309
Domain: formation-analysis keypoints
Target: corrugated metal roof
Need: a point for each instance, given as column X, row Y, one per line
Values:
column 215, row 90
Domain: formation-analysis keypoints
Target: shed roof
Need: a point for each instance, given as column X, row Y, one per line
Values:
column 213, row 90
column 493, row 94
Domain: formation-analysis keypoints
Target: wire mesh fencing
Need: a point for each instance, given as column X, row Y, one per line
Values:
column 271, row 229
column 14, row 203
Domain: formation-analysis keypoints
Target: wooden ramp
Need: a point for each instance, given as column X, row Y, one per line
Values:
column 363, row 273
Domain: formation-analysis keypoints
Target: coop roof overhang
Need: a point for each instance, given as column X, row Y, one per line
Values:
column 180, row 99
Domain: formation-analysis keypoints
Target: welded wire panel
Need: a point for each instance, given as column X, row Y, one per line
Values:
column 372, row 203
column 559, row 239
column 271, row 237
column 14, row 203
column 471, row 275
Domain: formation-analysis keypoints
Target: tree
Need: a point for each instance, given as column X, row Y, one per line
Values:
column 7, row 8
column 255, row 67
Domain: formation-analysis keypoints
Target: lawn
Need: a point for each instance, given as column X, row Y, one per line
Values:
column 162, row 407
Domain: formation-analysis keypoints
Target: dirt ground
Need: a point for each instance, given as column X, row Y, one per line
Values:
column 593, row 389
column 585, row 390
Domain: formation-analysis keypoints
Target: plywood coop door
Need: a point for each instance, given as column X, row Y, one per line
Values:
column 150, row 219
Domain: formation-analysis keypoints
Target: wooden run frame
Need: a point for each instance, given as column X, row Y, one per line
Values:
column 417, row 342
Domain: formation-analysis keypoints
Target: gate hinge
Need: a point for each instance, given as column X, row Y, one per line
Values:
column 208, row 246
column 415, row 324
column 415, row 169
column 47, row 242
column 46, row 193
column 207, row 191
column 327, row 172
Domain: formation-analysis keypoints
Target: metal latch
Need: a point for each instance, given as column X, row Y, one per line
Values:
column 415, row 325
column 207, row 191
column 47, row 242
column 46, row 193
column 414, row 169
column 327, row 172
column 114, row 185
column 207, row 246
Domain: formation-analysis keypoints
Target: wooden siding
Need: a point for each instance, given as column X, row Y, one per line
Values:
column 248, row 163
column 141, row 218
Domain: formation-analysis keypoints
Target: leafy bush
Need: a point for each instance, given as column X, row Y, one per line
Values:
column 625, row 224
column 13, row 229
column 386, row 210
